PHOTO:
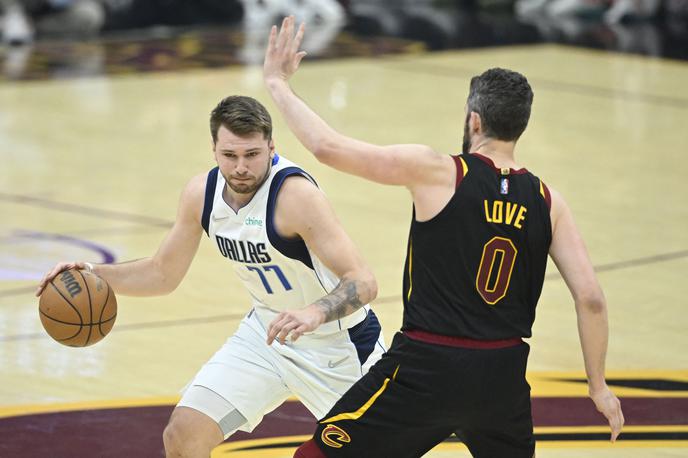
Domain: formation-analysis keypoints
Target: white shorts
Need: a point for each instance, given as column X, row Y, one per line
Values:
column 256, row 378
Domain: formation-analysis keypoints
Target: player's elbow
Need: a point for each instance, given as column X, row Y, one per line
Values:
column 321, row 152
column 165, row 281
column 326, row 150
column 594, row 303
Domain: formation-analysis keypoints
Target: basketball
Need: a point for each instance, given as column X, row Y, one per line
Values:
column 77, row 308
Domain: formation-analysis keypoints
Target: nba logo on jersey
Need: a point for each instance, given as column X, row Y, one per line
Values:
column 504, row 186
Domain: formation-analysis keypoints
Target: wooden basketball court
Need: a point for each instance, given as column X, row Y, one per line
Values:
column 92, row 169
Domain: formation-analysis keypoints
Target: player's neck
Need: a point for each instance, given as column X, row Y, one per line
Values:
column 500, row 152
column 236, row 200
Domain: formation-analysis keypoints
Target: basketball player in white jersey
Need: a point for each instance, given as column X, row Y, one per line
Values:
column 268, row 218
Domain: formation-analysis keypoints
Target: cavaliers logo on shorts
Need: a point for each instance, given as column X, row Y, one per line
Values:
column 331, row 434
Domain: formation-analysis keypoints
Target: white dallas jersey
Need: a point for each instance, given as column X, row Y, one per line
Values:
column 279, row 273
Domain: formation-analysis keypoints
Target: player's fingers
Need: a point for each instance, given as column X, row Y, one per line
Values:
column 60, row 267
column 52, row 273
column 289, row 32
column 41, row 285
column 620, row 420
column 282, row 336
column 279, row 326
column 616, row 421
column 284, row 332
column 298, row 332
column 300, row 55
column 275, row 327
column 296, row 44
column 282, row 37
column 616, row 428
column 271, row 39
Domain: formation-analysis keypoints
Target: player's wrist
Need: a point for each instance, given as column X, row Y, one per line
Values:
column 274, row 82
column 597, row 387
column 319, row 312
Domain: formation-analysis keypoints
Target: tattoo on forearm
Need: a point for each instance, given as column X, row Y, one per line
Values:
column 342, row 301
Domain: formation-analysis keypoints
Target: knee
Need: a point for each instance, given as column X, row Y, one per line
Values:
column 182, row 438
column 174, row 439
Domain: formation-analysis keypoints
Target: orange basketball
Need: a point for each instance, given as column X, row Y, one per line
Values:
column 77, row 308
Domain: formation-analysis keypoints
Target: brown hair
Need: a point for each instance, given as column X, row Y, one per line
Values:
column 242, row 116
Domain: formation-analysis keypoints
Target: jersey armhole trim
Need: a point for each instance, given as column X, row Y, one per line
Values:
column 294, row 249
column 461, row 169
column 210, row 185
column 544, row 191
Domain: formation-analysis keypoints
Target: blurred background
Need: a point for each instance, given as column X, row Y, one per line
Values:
column 104, row 117
column 58, row 38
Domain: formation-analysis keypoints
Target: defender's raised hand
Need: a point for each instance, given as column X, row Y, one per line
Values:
column 282, row 57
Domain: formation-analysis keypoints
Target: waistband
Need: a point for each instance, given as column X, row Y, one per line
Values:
column 461, row 342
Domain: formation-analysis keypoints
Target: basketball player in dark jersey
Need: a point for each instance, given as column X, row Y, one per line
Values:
column 481, row 231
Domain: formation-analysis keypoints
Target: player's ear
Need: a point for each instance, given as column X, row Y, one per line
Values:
column 271, row 146
column 475, row 123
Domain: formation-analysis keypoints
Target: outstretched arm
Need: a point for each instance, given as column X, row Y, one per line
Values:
column 161, row 273
column 303, row 211
column 406, row 165
column 571, row 257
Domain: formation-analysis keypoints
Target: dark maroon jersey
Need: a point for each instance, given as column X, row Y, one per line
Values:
column 476, row 269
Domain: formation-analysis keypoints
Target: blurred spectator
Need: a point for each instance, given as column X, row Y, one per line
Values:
column 631, row 9
column 612, row 11
column 24, row 18
column 324, row 18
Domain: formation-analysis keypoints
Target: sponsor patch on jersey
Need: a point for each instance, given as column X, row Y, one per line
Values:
column 253, row 222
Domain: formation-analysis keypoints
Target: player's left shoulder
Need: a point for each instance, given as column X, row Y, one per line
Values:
column 300, row 204
column 298, row 189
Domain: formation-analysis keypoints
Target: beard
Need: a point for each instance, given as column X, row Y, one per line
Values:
column 249, row 184
column 244, row 187
column 466, row 146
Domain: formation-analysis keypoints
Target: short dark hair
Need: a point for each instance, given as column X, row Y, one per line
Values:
column 503, row 99
column 242, row 116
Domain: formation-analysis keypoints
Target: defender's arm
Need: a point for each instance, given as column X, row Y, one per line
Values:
column 408, row 165
column 571, row 257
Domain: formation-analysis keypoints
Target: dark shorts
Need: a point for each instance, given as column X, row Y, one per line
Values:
column 418, row 394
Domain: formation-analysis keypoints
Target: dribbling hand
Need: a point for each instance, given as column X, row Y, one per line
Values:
column 608, row 405
column 56, row 270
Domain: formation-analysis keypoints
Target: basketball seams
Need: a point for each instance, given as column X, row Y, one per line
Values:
column 76, row 324
column 56, row 311
column 90, row 306
column 102, row 310
column 81, row 319
column 63, row 322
